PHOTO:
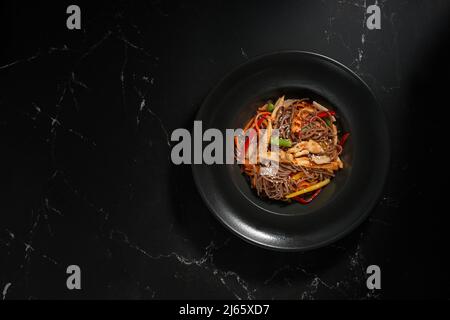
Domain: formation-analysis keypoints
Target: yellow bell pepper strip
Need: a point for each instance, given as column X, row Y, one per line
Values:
column 297, row 176
column 314, row 187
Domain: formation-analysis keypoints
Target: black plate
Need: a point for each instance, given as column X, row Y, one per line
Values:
column 351, row 195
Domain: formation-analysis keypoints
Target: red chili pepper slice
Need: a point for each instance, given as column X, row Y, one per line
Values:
column 247, row 141
column 325, row 114
column 262, row 118
column 344, row 138
column 306, row 201
column 252, row 133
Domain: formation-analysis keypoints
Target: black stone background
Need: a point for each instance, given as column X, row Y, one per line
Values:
column 88, row 180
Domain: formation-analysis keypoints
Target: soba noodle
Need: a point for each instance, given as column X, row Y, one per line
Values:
column 309, row 156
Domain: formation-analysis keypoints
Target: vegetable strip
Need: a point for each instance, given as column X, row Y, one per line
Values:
column 306, row 201
column 314, row 187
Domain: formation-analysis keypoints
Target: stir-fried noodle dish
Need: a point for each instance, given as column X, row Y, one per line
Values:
column 309, row 148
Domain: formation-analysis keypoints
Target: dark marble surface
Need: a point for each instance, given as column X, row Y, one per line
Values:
column 88, row 180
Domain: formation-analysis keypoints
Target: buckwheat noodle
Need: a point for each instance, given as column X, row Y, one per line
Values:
column 309, row 149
